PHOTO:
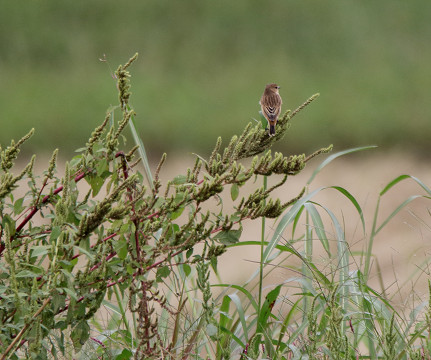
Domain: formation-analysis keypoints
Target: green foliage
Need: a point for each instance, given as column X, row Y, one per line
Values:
column 66, row 250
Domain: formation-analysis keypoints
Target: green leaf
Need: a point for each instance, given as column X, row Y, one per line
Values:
column 7, row 220
column 75, row 161
column 263, row 120
column 37, row 251
column 85, row 251
column 26, row 274
column 179, row 179
column 176, row 214
column 102, row 168
column 234, row 191
column 80, row 335
column 224, row 312
column 69, row 292
column 125, row 355
column 130, row 270
column 81, row 149
column 267, row 307
column 228, row 237
column 67, row 274
column 18, row 207
column 35, row 269
column 214, row 263
column 187, row 269
column 120, row 247
column 124, row 228
column 96, row 183
column 58, row 301
column 55, row 233
column 162, row 273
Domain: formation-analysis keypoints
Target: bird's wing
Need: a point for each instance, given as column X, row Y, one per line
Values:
column 271, row 107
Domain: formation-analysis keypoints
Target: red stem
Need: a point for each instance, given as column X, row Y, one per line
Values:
column 44, row 200
column 109, row 257
column 92, row 246
column 36, row 208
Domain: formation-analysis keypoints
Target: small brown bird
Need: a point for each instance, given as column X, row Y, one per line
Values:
column 270, row 102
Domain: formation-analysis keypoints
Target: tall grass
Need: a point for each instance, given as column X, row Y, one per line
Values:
column 328, row 310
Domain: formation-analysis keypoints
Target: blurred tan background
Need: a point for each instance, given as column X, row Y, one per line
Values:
column 202, row 68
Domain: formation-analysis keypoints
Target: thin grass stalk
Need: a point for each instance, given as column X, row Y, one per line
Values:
column 343, row 263
column 369, row 248
column 309, row 256
column 262, row 245
column 122, row 312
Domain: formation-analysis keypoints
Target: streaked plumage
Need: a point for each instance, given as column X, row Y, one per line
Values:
column 270, row 102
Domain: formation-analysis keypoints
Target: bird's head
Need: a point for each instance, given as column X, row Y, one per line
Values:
column 272, row 88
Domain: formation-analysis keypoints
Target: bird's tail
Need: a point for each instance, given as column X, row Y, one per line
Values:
column 271, row 130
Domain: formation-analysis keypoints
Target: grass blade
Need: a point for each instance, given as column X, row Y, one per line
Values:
column 403, row 177
column 141, row 150
column 397, row 210
column 318, row 226
column 353, row 201
column 334, row 156
column 285, row 221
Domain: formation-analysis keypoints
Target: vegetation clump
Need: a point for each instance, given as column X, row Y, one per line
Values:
column 64, row 251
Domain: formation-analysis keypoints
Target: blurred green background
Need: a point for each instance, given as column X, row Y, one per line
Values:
column 203, row 65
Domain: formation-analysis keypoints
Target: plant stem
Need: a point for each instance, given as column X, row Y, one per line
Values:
column 45, row 200
column 265, row 185
column 24, row 329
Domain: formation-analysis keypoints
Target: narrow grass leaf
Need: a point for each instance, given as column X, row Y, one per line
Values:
column 241, row 289
column 334, row 156
column 319, row 228
column 397, row 210
column 111, row 307
column 296, row 220
column 403, row 177
column 343, row 261
column 259, row 243
column 287, row 219
column 141, row 149
column 355, row 203
column 267, row 306
column 241, row 315
column 392, row 183
column 230, row 334
column 224, row 311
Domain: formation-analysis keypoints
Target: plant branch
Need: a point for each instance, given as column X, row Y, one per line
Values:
column 24, row 329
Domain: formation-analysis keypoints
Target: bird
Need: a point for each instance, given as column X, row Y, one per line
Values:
column 270, row 103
